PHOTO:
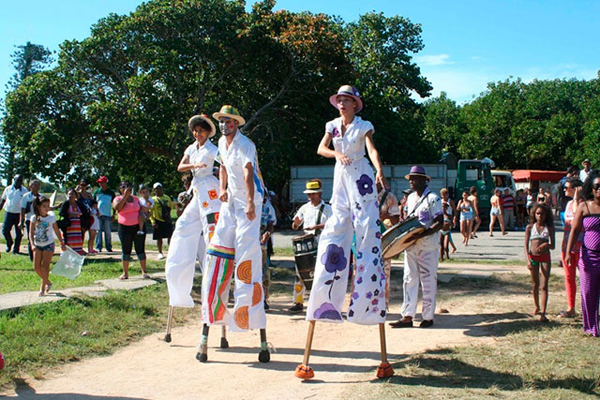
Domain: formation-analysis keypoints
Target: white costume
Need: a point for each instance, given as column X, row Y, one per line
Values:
column 309, row 215
column 421, row 259
column 355, row 210
column 235, row 246
column 194, row 227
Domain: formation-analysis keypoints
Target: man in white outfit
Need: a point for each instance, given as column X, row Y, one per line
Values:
column 421, row 259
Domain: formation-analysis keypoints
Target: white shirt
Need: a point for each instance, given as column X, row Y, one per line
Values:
column 309, row 214
column 427, row 211
column 204, row 154
column 43, row 234
column 28, row 198
column 352, row 144
column 13, row 198
column 583, row 175
column 241, row 152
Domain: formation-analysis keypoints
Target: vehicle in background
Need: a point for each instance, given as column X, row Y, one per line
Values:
column 504, row 179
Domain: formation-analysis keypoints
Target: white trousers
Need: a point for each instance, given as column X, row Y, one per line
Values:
column 193, row 231
column 234, row 251
column 355, row 210
column 420, row 266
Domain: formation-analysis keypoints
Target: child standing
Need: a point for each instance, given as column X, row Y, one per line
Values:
column 539, row 240
column 146, row 204
column 43, row 222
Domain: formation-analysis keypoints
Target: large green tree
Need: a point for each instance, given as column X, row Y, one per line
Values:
column 118, row 102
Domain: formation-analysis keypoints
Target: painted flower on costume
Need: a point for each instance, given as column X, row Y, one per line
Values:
column 327, row 311
column 365, row 185
column 334, row 259
column 335, row 133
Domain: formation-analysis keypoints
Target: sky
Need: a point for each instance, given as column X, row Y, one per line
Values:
column 467, row 43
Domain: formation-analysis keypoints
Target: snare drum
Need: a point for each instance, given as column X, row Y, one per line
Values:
column 305, row 253
column 398, row 238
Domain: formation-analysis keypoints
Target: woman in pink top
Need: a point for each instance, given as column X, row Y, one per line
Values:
column 128, row 207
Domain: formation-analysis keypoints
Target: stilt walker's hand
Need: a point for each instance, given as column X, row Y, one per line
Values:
column 380, row 178
column 250, row 213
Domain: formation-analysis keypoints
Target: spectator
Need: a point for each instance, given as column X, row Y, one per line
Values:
column 529, row 199
column 508, row 208
column 184, row 198
column 448, row 207
column 587, row 168
column 160, row 216
column 27, row 210
column 146, row 204
column 92, row 224
column 11, row 198
column 465, row 208
column 474, row 199
column 541, row 196
column 389, row 214
column 128, row 208
column 104, row 196
column 563, row 199
column 520, row 203
column 586, row 220
column 73, row 211
column 496, row 212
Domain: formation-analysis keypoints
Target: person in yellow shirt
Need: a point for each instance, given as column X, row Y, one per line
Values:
column 160, row 217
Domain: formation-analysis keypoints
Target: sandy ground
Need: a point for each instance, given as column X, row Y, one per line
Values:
column 344, row 358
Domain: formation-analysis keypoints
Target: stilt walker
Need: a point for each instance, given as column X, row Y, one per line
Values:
column 355, row 210
column 196, row 225
column 234, row 250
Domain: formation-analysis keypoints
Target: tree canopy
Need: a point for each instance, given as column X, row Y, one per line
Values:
column 117, row 103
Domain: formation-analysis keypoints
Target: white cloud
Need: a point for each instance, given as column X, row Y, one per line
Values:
column 430, row 60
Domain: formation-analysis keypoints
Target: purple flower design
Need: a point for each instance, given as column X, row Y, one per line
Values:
column 375, row 261
column 365, row 185
column 378, row 235
column 382, row 313
column 334, row 258
column 355, row 295
column 374, row 250
column 335, row 133
column 375, row 302
column 359, row 281
column 327, row 311
column 359, row 255
column 369, row 295
column 361, row 268
column 378, row 222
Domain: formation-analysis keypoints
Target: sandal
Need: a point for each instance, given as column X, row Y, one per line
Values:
column 41, row 294
column 48, row 286
column 123, row 277
column 145, row 276
column 567, row 314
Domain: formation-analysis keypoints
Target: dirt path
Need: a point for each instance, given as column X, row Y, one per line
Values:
column 344, row 359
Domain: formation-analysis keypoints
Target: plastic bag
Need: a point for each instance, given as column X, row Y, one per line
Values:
column 69, row 264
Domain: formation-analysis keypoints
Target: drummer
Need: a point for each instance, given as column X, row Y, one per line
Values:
column 312, row 216
column 421, row 259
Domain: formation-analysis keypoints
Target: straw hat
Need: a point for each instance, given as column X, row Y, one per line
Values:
column 202, row 117
column 229, row 112
column 350, row 91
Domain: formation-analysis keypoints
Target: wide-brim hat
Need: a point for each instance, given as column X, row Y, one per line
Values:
column 313, row 187
column 350, row 91
column 229, row 112
column 194, row 120
column 587, row 160
column 417, row 170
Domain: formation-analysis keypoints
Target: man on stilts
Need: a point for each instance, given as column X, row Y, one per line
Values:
column 234, row 250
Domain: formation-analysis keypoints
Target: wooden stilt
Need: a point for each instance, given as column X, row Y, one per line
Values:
column 385, row 369
column 169, row 323
column 202, row 354
column 264, row 355
column 303, row 371
column 224, row 342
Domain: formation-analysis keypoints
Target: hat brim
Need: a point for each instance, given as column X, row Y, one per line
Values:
column 195, row 118
column 238, row 118
column 586, row 162
column 359, row 103
column 415, row 174
column 309, row 191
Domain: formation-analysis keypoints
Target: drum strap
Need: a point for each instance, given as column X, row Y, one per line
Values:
column 383, row 198
column 418, row 204
column 319, row 216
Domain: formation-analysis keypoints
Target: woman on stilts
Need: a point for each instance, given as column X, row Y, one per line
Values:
column 355, row 211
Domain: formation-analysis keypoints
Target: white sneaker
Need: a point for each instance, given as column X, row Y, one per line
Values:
column 160, row 256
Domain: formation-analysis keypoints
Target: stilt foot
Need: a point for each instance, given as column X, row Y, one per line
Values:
column 385, row 370
column 224, row 343
column 264, row 356
column 304, row 372
column 202, row 357
column 168, row 338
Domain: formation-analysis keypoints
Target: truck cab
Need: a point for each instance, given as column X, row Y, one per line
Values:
column 475, row 173
column 504, row 179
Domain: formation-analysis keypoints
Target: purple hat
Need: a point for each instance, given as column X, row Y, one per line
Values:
column 350, row 91
column 417, row 170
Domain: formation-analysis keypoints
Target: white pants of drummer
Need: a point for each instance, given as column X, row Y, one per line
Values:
column 192, row 232
column 420, row 266
column 234, row 251
column 367, row 302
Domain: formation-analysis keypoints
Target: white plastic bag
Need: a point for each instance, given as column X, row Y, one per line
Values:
column 69, row 264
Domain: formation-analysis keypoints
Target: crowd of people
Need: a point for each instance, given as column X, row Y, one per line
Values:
column 226, row 220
